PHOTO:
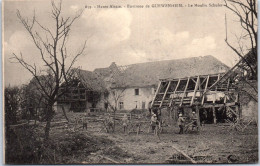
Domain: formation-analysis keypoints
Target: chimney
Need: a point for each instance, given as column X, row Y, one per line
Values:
column 113, row 65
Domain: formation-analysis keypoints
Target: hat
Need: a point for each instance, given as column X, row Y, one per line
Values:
column 193, row 112
column 180, row 114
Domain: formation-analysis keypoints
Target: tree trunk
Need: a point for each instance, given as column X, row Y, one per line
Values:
column 114, row 121
column 47, row 129
column 49, row 116
column 64, row 113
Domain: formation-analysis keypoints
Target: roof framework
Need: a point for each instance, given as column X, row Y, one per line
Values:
column 203, row 90
column 215, row 91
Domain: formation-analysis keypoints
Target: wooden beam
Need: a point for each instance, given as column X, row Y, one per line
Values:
column 225, row 99
column 165, row 93
column 195, row 90
column 198, row 116
column 193, row 80
column 157, row 91
column 229, row 108
column 231, row 97
column 109, row 159
column 204, row 80
column 175, row 91
column 184, row 93
column 238, row 112
column 204, row 93
column 214, row 115
column 219, row 105
column 237, row 98
column 216, row 88
column 228, row 84
column 184, row 154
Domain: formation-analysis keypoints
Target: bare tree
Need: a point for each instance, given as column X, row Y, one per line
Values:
column 115, row 95
column 51, row 45
column 115, row 91
column 246, row 12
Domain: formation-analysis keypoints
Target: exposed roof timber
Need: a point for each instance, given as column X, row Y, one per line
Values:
column 157, row 91
column 195, row 90
column 193, row 77
column 175, row 91
column 228, row 73
column 184, row 93
column 165, row 93
column 205, row 89
column 219, row 83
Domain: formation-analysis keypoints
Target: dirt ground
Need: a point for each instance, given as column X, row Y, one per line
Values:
column 212, row 144
column 71, row 144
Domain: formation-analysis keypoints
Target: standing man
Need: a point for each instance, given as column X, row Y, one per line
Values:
column 153, row 123
column 125, row 122
column 194, row 120
column 180, row 123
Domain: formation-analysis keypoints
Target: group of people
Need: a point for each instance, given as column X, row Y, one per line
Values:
column 155, row 121
column 181, row 122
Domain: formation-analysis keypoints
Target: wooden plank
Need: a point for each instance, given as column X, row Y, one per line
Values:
column 185, row 90
column 175, row 91
column 109, row 159
column 184, row 154
column 204, row 93
column 195, row 90
column 165, row 93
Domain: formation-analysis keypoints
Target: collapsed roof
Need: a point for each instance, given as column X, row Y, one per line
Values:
column 148, row 74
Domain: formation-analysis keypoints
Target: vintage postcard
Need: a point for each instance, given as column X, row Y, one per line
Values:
column 130, row 81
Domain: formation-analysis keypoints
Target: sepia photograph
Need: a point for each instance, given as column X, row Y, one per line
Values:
column 130, row 82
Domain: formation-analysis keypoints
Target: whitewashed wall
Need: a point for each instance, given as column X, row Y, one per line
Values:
column 132, row 101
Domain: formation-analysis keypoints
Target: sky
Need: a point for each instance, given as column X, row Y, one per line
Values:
column 124, row 36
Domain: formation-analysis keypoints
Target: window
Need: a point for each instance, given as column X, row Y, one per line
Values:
column 121, row 105
column 136, row 91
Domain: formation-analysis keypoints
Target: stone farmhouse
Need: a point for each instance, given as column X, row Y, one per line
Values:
column 132, row 86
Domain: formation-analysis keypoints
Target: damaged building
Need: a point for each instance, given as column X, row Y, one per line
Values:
column 134, row 85
column 214, row 97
